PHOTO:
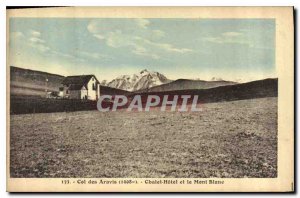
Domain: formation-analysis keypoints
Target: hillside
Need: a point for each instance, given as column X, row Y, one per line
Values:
column 104, row 90
column 184, row 84
column 33, row 83
column 30, row 100
column 255, row 89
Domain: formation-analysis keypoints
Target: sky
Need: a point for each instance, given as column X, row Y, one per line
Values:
column 231, row 49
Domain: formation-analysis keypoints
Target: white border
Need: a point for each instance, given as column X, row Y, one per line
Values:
column 104, row 3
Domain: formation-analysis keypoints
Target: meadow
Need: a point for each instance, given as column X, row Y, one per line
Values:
column 233, row 139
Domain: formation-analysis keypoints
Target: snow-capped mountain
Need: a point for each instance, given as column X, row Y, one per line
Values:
column 143, row 80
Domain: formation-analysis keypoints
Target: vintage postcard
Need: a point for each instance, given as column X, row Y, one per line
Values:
column 150, row 99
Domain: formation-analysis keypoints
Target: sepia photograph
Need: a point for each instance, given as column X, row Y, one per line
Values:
column 150, row 97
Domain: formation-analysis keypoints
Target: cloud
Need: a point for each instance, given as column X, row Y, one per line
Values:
column 139, row 50
column 93, row 55
column 99, row 36
column 70, row 57
column 142, row 23
column 170, row 48
column 16, row 35
column 229, row 37
column 80, row 56
column 219, row 40
column 117, row 39
column 62, row 54
column 36, row 40
column 165, row 46
column 158, row 33
column 134, row 34
column 93, row 27
column 32, row 40
column 34, row 33
column 39, row 46
column 232, row 34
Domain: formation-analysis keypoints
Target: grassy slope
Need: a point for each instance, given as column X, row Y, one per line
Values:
column 28, row 82
column 254, row 89
column 184, row 84
column 227, row 139
column 31, row 82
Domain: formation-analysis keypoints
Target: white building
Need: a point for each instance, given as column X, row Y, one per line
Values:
column 80, row 87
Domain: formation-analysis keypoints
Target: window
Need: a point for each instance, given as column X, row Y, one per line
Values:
column 94, row 86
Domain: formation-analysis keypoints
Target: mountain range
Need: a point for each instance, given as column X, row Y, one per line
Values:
column 149, row 81
column 32, row 83
column 143, row 80
column 27, row 90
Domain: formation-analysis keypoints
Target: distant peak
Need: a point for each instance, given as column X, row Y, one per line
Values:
column 144, row 71
column 216, row 79
column 139, row 81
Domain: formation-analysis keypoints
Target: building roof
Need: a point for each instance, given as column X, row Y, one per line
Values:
column 75, row 87
column 82, row 80
column 77, row 82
